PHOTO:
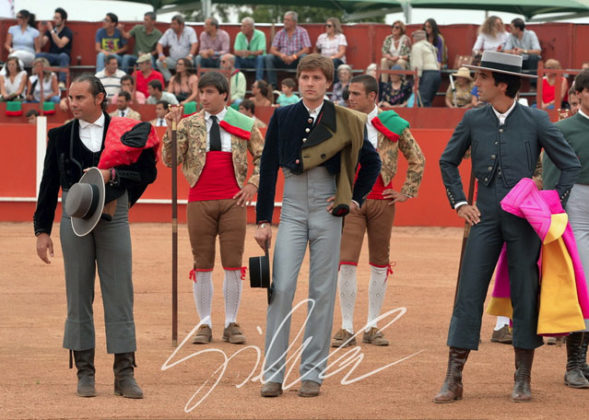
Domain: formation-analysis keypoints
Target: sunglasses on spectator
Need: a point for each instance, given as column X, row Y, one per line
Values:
column 19, row 17
column 396, row 27
column 328, row 25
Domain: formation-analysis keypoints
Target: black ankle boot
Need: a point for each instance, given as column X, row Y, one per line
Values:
column 125, row 384
column 576, row 360
column 523, row 375
column 452, row 386
column 85, row 364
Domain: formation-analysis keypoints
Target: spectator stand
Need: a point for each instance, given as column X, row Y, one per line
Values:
column 65, row 70
column 414, row 76
column 560, row 75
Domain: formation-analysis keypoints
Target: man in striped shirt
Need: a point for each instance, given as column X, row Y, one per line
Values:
column 110, row 77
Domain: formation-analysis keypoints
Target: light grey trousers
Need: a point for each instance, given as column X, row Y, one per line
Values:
column 578, row 210
column 108, row 248
column 304, row 220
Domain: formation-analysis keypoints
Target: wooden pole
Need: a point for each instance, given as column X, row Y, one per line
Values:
column 174, row 236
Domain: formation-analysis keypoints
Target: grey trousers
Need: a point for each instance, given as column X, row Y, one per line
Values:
column 304, row 220
column 578, row 211
column 108, row 248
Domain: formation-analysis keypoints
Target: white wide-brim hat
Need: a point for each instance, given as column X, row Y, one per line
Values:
column 502, row 63
column 85, row 201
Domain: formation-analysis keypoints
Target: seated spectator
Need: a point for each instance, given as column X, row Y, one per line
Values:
column 260, row 91
column 548, row 86
column 250, row 48
column 475, row 97
column 394, row 90
column 109, row 41
column 332, row 44
column 146, row 37
column 524, row 42
column 214, row 43
column 574, row 101
column 111, row 76
column 247, row 107
column 156, row 94
column 60, row 38
column 344, row 75
column 128, row 85
column 123, row 110
column 42, row 81
column 492, row 37
column 184, row 84
column 237, row 82
column 424, row 59
column 22, row 39
column 182, row 43
column 31, row 116
column 371, row 70
column 396, row 48
column 161, row 109
column 435, row 38
column 288, row 97
column 289, row 44
column 461, row 96
column 13, row 83
column 146, row 74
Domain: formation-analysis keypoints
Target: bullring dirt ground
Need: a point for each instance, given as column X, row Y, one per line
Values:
column 35, row 381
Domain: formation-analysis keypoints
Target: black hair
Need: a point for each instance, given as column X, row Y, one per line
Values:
column 62, row 13
column 156, row 84
column 96, row 86
column 30, row 17
column 249, row 105
column 151, row 15
column 214, row 79
column 582, row 81
column 513, row 83
column 290, row 82
column 114, row 18
column 128, row 77
column 109, row 58
column 346, row 93
column 164, row 103
column 125, row 95
column 263, row 86
column 32, row 112
column 370, row 84
column 435, row 30
column 518, row 23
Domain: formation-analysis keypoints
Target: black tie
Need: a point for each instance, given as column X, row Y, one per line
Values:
column 161, row 124
column 215, row 135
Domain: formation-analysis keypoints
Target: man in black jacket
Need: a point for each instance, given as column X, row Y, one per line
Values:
column 72, row 148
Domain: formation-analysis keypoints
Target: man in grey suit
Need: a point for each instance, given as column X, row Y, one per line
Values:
column 505, row 139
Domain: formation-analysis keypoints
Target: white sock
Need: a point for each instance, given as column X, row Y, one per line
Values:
column 347, row 295
column 202, row 290
column 232, row 286
column 376, row 292
column 501, row 322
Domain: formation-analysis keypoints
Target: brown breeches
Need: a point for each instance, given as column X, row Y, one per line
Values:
column 376, row 218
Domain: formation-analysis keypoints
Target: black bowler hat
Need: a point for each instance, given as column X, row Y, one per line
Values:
column 260, row 273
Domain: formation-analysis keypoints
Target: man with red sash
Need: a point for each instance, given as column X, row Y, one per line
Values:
column 212, row 147
column 388, row 133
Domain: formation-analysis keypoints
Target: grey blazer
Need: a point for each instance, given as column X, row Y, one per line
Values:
column 514, row 147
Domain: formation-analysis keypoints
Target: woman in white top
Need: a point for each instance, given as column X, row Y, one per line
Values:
column 48, row 83
column 332, row 43
column 22, row 40
column 492, row 36
column 12, row 84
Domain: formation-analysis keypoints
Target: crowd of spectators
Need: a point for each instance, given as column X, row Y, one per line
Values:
column 162, row 68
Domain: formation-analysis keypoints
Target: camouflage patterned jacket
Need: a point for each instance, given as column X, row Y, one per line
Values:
column 389, row 152
column 192, row 150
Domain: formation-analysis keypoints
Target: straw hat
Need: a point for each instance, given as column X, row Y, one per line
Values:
column 463, row 72
column 143, row 58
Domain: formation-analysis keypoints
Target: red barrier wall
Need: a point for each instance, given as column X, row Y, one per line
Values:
column 17, row 172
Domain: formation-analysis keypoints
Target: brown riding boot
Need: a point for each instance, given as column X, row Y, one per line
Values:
column 452, row 386
column 523, row 375
column 85, row 364
column 125, row 384
column 576, row 360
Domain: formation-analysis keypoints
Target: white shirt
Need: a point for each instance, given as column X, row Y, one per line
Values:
column 371, row 131
column 123, row 112
column 503, row 117
column 314, row 113
column 329, row 47
column 225, row 136
column 160, row 122
column 91, row 133
column 582, row 113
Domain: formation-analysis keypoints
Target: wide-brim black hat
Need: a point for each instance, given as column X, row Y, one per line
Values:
column 85, row 201
column 502, row 63
column 260, row 273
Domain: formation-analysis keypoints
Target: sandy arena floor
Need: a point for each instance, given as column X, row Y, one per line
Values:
column 35, row 381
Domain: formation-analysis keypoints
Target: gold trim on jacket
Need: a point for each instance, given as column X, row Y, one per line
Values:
column 192, row 150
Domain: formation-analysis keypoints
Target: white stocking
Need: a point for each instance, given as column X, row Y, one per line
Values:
column 232, row 286
column 203, row 295
column 501, row 322
column 376, row 292
column 347, row 295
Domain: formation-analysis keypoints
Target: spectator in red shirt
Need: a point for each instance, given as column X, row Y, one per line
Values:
column 146, row 74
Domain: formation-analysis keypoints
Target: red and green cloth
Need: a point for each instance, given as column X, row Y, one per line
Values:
column 237, row 124
column 390, row 124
